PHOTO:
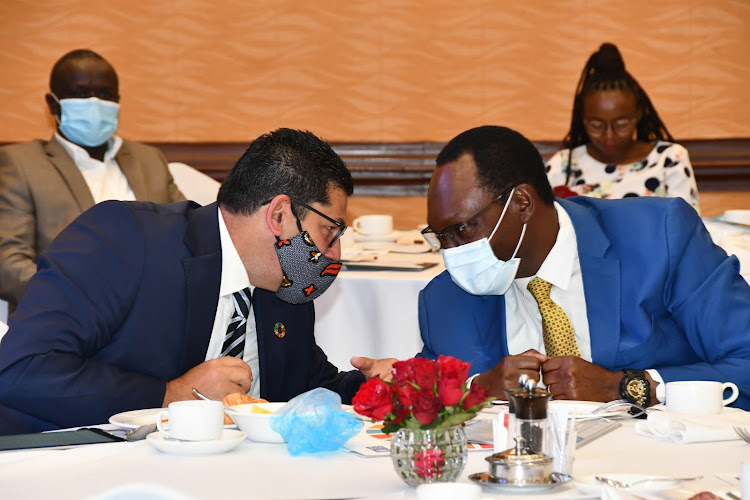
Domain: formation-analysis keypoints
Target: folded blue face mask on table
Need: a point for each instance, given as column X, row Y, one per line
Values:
column 314, row 421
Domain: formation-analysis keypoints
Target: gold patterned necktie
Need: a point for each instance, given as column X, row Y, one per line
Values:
column 559, row 339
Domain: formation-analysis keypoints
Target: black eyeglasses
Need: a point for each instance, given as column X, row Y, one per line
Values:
column 342, row 227
column 457, row 232
column 621, row 126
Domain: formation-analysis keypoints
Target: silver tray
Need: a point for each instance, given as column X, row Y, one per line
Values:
column 484, row 479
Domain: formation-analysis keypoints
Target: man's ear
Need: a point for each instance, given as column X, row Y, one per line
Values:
column 52, row 105
column 524, row 199
column 279, row 210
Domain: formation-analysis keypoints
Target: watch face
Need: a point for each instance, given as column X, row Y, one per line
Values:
column 637, row 390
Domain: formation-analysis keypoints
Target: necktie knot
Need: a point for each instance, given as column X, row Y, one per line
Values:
column 539, row 289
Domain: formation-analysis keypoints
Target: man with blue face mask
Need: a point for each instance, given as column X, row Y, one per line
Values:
column 136, row 303
column 44, row 185
column 598, row 299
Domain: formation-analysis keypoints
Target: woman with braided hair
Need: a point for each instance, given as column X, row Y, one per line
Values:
column 617, row 145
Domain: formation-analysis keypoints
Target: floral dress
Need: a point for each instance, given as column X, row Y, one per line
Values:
column 666, row 171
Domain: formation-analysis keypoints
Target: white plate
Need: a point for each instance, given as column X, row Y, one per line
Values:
column 589, row 484
column 483, row 479
column 230, row 439
column 136, row 418
column 583, row 409
column 393, row 236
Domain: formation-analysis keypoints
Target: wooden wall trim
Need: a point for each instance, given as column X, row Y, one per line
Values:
column 405, row 168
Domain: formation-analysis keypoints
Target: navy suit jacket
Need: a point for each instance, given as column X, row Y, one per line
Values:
column 124, row 300
column 659, row 294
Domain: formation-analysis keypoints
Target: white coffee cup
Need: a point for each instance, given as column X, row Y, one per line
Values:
column 698, row 396
column 448, row 491
column 192, row 420
column 737, row 216
column 374, row 224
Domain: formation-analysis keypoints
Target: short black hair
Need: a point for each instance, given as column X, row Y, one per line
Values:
column 504, row 158
column 286, row 161
column 74, row 55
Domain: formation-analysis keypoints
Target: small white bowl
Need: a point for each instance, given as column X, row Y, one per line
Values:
column 257, row 426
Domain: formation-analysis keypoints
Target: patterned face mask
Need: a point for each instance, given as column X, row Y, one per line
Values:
column 307, row 272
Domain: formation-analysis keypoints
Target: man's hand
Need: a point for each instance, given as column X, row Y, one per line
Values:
column 374, row 367
column 570, row 377
column 215, row 378
column 504, row 375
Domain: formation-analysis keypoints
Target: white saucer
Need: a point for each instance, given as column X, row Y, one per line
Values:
column 392, row 236
column 483, row 479
column 589, row 484
column 136, row 418
column 229, row 440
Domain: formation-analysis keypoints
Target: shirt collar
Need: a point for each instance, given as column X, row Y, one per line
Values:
column 79, row 154
column 233, row 272
column 558, row 265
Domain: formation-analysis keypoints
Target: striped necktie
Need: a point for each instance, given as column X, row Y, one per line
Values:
column 234, row 340
column 559, row 339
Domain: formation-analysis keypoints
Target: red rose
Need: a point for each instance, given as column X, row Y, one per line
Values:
column 563, row 192
column 477, row 395
column 374, row 399
column 402, row 372
column 419, row 371
column 425, row 406
column 404, row 393
column 452, row 375
column 401, row 412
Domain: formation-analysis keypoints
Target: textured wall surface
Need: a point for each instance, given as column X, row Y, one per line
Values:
column 228, row 70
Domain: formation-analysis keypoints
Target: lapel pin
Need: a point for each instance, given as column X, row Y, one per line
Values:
column 279, row 330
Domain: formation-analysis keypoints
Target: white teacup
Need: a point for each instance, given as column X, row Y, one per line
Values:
column 698, row 396
column 448, row 491
column 373, row 224
column 192, row 420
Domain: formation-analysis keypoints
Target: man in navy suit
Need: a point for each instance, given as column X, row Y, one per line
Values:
column 648, row 297
column 134, row 304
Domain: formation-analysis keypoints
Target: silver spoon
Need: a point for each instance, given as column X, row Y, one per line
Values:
column 139, row 433
column 621, row 484
column 202, row 396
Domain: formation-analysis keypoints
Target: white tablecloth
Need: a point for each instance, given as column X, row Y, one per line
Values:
column 266, row 471
column 373, row 313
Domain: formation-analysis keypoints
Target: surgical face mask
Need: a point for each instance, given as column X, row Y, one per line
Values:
column 87, row 122
column 476, row 270
column 307, row 272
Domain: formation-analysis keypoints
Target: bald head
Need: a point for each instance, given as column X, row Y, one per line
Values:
column 79, row 64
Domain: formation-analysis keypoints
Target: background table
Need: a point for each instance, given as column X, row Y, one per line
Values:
column 267, row 472
column 373, row 313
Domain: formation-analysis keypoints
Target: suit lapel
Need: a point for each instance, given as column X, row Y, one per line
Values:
column 601, row 283
column 68, row 170
column 203, row 280
column 129, row 167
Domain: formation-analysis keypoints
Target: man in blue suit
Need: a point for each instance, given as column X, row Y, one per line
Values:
column 134, row 304
column 637, row 294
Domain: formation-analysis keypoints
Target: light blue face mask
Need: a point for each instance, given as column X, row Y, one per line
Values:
column 87, row 122
column 474, row 267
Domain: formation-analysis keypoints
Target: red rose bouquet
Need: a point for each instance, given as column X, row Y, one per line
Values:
column 423, row 394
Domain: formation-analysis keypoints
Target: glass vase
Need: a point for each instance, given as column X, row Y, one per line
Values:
column 429, row 455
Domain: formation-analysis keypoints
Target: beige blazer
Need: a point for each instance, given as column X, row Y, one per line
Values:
column 42, row 191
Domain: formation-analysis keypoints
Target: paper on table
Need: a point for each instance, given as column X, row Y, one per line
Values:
column 688, row 428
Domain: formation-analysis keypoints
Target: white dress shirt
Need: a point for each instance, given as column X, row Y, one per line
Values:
column 562, row 269
column 105, row 179
column 233, row 279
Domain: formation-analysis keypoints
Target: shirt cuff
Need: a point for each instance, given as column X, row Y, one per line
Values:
column 661, row 391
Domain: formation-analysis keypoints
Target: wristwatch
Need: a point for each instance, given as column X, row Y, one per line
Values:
column 634, row 387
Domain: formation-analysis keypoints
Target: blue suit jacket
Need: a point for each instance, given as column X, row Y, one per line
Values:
column 124, row 300
column 659, row 294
